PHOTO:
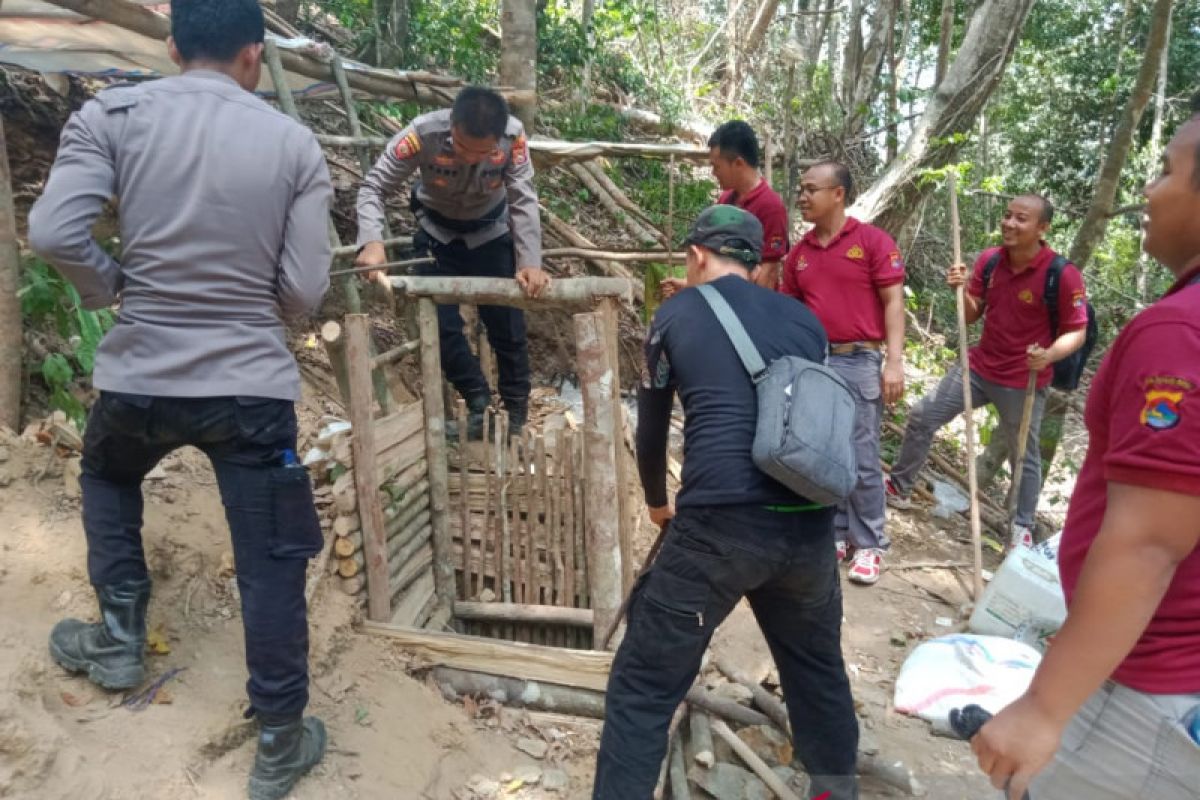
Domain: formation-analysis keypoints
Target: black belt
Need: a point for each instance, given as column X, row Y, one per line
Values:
column 457, row 225
column 846, row 348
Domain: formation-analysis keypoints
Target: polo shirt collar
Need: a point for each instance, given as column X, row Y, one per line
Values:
column 850, row 225
column 1186, row 278
column 211, row 75
column 1042, row 257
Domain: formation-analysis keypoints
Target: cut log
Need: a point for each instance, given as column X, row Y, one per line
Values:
column 700, row 743
column 519, row 693
column 584, row 669
column 622, row 199
column 354, row 585
column 567, row 293
column 728, row 709
column 335, row 350
column 766, row 702
column 893, row 773
column 631, row 223
column 346, row 524
column 523, row 613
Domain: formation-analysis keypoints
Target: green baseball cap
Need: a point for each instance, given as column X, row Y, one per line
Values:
column 728, row 231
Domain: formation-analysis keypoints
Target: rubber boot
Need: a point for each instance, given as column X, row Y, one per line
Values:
column 518, row 415
column 476, row 406
column 111, row 651
column 286, row 751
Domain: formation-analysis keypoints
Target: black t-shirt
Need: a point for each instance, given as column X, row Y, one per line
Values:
column 688, row 351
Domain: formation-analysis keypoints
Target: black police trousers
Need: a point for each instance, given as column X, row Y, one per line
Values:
column 505, row 325
column 269, row 508
column 785, row 565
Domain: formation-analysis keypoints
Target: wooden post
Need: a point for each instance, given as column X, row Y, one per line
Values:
column 283, row 92
column 610, row 311
column 335, row 348
column 600, row 470
column 366, row 478
column 435, row 452
column 10, row 307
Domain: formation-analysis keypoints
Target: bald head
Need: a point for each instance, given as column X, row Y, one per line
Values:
column 1045, row 209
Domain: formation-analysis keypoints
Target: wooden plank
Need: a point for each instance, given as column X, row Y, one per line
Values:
column 398, row 426
column 585, row 669
column 366, row 479
column 435, row 450
column 523, row 613
column 412, row 602
column 600, row 482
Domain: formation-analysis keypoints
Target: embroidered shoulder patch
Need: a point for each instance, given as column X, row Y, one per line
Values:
column 1163, row 409
column 520, row 151
column 895, row 260
column 855, row 252
column 776, row 243
column 408, row 147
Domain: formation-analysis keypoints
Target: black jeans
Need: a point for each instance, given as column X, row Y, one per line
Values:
column 269, row 508
column 786, row 566
column 505, row 325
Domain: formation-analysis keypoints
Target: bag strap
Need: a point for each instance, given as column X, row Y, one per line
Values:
column 988, row 269
column 736, row 332
column 1050, row 291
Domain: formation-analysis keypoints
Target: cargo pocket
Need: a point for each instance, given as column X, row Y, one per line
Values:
column 295, row 530
column 266, row 421
column 670, row 621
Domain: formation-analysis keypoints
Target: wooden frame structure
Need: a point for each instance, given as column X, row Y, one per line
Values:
column 413, row 569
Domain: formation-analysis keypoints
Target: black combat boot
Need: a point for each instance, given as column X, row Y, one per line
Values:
column 111, row 651
column 286, row 751
column 476, row 405
column 518, row 415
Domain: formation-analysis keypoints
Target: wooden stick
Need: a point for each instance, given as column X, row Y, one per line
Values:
column 543, row 512
column 464, row 505
column 435, row 451
column 610, row 314
column 654, row 548
column 700, row 746
column 677, row 719
column 529, row 535
column 1018, row 469
column 489, row 504
column 753, row 761
column 557, row 150
column 766, row 702
column 960, row 297
column 523, row 694
column 515, row 471
column 335, row 349
column 283, row 92
column 583, row 669
column 523, row 613
column 570, row 536
column 395, row 354
column 366, row 480
column 352, row 249
column 505, row 560
column 560, row 540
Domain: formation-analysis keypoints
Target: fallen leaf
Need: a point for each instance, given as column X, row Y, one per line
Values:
column 156, row 643
column 361, row 715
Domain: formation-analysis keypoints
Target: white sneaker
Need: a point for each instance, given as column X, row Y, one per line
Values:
column 893, row 497
column 1020, row 536
column 866, row 566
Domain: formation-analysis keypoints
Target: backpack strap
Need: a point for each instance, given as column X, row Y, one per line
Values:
column 736, row 332
column 1050, row 291
column 988, row 269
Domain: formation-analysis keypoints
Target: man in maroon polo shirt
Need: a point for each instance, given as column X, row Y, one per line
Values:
column 1112, row 712
column 1017, row 338
column 852, row 277
column 733, row 155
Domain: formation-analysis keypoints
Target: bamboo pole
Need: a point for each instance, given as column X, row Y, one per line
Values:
column 960, row 297
column 366, row 479
column 396, row 353
column 600, row 482
column 563, row 293
column 435, row 450
column 554, row 150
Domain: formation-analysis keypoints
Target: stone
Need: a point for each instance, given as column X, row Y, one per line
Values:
column 528, row 774
column 729, row 782
column 555, row 780
column 767, row 743
column 735, row 692
column 483, row 786
column 487, row 596
column 532, row 747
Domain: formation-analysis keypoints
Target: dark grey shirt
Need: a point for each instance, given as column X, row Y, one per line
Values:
column 223, row 206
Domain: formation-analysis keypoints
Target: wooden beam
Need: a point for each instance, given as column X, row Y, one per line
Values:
column 366, row 478
column 601, row 501
column 395, row 354
column 554, row 150
column 570, row 293
column 435, row 451
column 524, row 613
column 584, row 669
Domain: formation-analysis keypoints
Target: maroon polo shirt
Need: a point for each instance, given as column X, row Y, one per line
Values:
column 1143, row 422
column 765, row 203
column 840, row 281
column 1015, row 316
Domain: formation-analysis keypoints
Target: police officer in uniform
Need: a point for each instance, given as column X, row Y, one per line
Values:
column 478, row 216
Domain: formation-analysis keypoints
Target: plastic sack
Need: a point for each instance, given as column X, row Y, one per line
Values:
column 1025, row 600
column 950, row 500
column 961, row 669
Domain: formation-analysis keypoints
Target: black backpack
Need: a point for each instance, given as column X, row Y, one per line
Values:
column 1069, row 370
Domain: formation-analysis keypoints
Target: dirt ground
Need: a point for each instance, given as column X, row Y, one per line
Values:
column 391, row 735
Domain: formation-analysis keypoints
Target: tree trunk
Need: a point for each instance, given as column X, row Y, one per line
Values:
column 1145, row 263
column 870, row 65
column 853, row 54
column 762, row 22
column 589, row 33
column 945, row 39
column 893, row 89
column 288, row 9
column 10, row 307
column 953, row 108
column 1095, row 222
column 518, row 55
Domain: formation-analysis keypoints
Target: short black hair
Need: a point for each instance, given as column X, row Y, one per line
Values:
column 1047, row 215
column 480, row 112
column 736, row 139
column 841, row 173
column 215, row 30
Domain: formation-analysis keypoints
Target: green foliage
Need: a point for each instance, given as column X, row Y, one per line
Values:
column 648, row 184
column 49, row 301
